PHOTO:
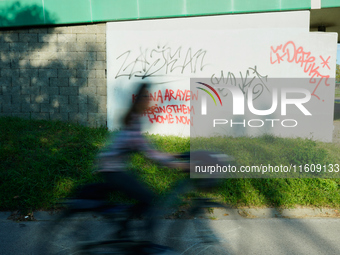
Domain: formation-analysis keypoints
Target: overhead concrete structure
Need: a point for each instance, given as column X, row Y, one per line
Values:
column 21, row 13
column 325, row 20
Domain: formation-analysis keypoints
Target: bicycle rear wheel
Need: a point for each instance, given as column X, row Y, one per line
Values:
column 189, row 232
column 192, row 236
column 79, row 234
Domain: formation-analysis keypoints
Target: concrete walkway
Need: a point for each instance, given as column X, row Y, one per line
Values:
column 234, row 235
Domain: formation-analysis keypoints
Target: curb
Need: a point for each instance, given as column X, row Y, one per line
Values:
column 211, row 213
column 42, row 216
column 267, row 213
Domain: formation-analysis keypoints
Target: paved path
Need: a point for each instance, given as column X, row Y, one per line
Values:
column 264, row 232
column 273, row 236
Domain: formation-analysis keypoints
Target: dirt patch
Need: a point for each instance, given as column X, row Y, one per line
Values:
column 17, row 216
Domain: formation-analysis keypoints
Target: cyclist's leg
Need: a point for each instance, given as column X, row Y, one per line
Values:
column 126, row 183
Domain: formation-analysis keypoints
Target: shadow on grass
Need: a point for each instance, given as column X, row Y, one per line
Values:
column 45, row 162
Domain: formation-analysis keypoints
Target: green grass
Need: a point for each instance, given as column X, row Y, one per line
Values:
column 43, row 161
column 337, row 91
column 287, row 192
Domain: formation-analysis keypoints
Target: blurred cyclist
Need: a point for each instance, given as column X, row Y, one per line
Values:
column 113, row 160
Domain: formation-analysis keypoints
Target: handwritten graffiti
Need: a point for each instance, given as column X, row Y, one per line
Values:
column 169, row 94
column 170, row 109
column 291, row 53
column 325, row 62
column 251, row 80
column 160, row 61
column 171, row 113
column 170, row 119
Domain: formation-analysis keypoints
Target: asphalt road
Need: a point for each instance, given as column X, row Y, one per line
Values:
column 235, row 236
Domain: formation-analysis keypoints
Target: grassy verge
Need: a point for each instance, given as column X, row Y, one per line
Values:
column 337, row 92
column 43, row 161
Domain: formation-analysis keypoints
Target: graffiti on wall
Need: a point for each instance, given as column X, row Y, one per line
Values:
column 170, row 106
column 291, row 53
column 170, row 112
column 251, row 79
column 160, row 61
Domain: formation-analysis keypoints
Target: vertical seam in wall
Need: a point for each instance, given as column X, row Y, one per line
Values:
column 185, row 7
column 43, row 4
column 137, row 9
column 91, row 10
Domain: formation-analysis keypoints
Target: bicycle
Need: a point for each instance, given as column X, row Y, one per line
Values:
column 205, row 241
column 73, row 233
